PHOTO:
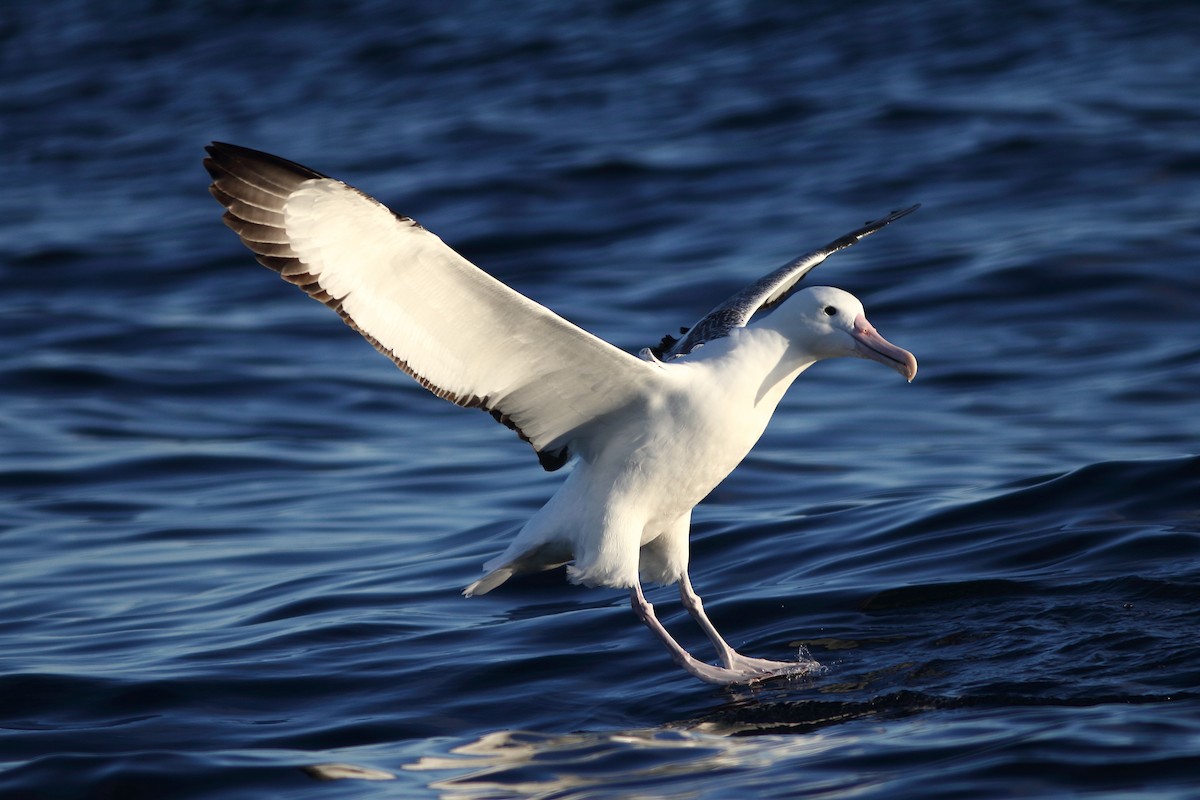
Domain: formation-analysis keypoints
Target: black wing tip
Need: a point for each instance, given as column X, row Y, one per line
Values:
column 869, row 227
column 876, row 224
column 223, row 156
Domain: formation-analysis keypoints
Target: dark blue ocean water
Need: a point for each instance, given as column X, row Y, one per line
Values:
column 233, row 536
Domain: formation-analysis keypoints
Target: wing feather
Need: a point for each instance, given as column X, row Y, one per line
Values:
column 767, row 292
column 460, row 333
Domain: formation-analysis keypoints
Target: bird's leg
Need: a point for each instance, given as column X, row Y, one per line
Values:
column 738, row 669
column 705, row 672
column 732, row 659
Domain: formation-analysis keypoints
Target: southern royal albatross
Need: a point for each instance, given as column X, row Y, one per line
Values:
column 651, row 434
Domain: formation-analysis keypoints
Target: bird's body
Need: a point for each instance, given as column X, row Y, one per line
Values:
column 624, row 510
column 650, row 436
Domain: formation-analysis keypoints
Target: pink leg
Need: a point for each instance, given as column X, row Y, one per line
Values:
column 731, row 658
column 737, row 669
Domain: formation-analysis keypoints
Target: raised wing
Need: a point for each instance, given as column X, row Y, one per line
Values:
column 460, row 333
column 765, row 293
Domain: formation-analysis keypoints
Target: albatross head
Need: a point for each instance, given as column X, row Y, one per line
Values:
column 829, row 322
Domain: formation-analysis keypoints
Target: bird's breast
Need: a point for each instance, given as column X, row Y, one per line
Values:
column 696, row 432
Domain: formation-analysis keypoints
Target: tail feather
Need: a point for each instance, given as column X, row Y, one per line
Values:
column 488, row 582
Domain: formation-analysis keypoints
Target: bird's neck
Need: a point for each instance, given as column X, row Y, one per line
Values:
column 762, row 360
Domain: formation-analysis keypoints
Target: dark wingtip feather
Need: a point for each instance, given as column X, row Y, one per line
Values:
column 222, row 153
column 876, row 224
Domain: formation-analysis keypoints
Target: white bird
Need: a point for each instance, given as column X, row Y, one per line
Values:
column 651, row 435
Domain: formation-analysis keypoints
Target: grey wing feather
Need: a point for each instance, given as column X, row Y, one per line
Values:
column 765, row 293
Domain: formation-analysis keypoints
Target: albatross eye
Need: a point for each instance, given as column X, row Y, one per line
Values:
column 830, row 310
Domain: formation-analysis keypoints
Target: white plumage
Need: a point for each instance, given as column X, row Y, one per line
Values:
column 651, row 435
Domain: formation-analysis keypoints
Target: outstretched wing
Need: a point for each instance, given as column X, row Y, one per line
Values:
column 459, row 332
column 766, row 293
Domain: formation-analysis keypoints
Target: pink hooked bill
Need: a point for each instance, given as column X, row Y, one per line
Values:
column 869, row 344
